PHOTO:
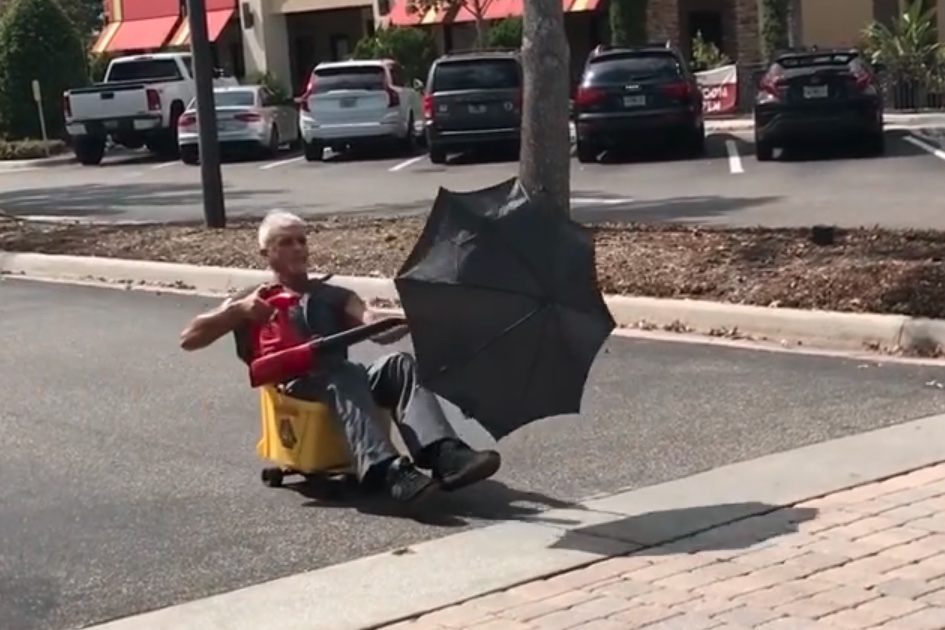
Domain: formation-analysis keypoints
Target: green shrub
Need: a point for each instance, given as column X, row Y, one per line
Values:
column 506, row 33
column 270, row 82
column 627, row 22
column 413, row 48
column 775, row 26
column 706, row 55
column 29, row 149
column 37, row 41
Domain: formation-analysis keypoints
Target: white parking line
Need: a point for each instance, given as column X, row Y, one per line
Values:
column 734, row 159
column 406, row 163
column 164, row 165
column 925, row 146
column 266, row 167
column 598, row 201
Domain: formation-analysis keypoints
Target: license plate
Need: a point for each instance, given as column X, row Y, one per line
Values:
column 477, row 109
column 815, row 91
column 634, row 101
column 349, row 101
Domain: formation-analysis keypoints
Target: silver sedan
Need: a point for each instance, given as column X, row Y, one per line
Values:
column 248, row 116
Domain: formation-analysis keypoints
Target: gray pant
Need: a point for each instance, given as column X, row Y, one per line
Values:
column 355, row 393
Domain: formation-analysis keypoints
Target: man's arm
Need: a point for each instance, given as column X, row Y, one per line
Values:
column 360, row 314
column 207, row 327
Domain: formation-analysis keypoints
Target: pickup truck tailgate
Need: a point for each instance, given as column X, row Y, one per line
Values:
column 103, row 102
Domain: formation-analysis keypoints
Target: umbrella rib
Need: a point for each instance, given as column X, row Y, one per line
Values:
column 534, row 363
column 446, row 368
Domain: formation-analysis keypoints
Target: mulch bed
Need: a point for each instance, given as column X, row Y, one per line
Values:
column 864, row 270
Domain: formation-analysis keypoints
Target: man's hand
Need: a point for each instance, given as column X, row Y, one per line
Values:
column 254, row 308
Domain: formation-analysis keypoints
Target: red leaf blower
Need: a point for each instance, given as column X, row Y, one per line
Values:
column 283, row 352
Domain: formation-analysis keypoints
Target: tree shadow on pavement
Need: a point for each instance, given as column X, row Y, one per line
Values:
column 111, row 199
column 489, row 500
column 896, row 147
column 673, row 209
column 728, row 526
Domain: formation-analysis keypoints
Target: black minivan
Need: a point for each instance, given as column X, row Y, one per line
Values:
column 473, row 99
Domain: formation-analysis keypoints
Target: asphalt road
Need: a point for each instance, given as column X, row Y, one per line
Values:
column 130, row 481
column 727, row 187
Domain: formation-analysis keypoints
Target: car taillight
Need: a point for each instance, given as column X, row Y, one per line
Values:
column 248, row 117
column 187, row 120
column 771, row 84
column 679, row 90
column 66, row 106
column 428, row 105
column 154, row 100
column 309, row 90
column 863, row 80
column 393, row 98
column 587, row 96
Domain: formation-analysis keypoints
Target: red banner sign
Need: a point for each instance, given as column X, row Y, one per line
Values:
column 719, row 89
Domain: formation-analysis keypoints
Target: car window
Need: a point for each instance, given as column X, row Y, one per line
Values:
column 235, row 98
column 397, row 75
column 633, row 67
column 476, row 74
column 348, row 78
column 144, row 70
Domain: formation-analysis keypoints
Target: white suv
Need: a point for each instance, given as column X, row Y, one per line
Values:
column 358, row 102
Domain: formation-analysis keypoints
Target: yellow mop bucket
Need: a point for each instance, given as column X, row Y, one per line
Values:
column 300, row 436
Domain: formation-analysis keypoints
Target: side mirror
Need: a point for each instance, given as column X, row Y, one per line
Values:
column 418, row 85
column 218, row 73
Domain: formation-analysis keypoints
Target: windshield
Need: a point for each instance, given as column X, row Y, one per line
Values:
column 348, row 78
column 144, row 70
column 477, row 74
column 624, row 68
column 234, row 98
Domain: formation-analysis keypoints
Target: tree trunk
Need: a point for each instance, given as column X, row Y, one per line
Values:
column 545, row 165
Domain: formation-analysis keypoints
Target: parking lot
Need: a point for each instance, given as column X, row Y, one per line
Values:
column 727, row 186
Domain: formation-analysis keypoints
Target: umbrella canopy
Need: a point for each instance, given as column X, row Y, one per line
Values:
column 502, row 300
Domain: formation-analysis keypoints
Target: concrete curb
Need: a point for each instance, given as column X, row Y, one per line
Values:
column 383, row 589
column 55, row 160
column 820, row 328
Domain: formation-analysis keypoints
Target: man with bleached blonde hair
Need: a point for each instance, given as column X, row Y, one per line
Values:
column 353, row 392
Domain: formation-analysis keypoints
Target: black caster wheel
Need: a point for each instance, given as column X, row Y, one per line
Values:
column 272, row 477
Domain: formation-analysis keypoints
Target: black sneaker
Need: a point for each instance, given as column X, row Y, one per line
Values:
column 406, row 484
column 458, row 466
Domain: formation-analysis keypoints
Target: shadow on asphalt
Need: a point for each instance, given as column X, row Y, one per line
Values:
column 654, row 152
column 672, row 209
column 728, row 526
column 373, row 154
column 111, row 199
column 896, row 147
column 490, row 500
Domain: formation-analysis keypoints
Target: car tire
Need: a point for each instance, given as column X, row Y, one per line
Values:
column 89, row 150
column 697, row 143
column 876, row 145
column 764, row 151
column 409, row 143
column 314, row 152
column 273, row 149
column 189, row 154
column 437, row 155
column 586, row 153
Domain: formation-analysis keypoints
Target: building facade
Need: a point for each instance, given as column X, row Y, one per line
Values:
column 286, row 38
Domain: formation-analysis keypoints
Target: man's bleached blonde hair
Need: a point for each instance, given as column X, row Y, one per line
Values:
column 275, row 221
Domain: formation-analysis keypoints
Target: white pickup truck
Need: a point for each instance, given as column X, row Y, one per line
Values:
column 137, row 105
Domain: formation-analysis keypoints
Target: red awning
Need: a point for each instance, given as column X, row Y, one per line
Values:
column 502, row 9
column 144, row 34
column 216, row 22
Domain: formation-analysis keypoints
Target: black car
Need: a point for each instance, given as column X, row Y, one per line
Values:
column 819, row 95
column 637, row 95
column 472, row 100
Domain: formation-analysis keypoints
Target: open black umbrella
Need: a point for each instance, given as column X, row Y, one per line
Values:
column 502, row 301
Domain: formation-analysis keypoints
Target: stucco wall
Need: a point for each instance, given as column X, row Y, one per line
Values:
column 834, row 23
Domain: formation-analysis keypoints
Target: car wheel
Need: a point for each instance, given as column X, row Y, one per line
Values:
column 410, row 140
column 764, row 151
column 876, row 145
column 586, row 153
column 314, row 152
column 273, row 149
column 189, row 154
column 437, row 155
column 697, row 143
column 89, row 150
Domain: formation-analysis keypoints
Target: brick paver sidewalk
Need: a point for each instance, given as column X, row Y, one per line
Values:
column 869, row 558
